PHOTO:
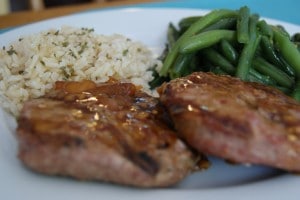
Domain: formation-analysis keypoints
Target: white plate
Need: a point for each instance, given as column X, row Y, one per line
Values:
column 221, row 181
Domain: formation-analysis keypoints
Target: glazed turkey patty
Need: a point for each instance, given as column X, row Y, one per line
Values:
column 238, row 121
column 111, row 132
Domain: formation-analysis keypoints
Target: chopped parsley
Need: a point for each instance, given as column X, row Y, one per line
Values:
column 11, row 51
column 65, row 44
column 108, row 56
column 89, row 30
column 82, row 48
column 125, row 52
column 72, row 54
column 68, row 71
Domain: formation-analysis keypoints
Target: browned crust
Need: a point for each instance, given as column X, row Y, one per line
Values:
column 110, row 132
column 238, row 121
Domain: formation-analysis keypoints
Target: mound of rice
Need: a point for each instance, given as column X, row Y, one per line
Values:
column 30, row 66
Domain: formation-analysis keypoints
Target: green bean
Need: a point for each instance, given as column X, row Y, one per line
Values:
column 255, row 79
column 272, row 56
column 196, row 27
column 259, row 50
column 172, row 35
column 218, row 70
column 243, row 25
column 269, row 51
column 288, row 50
column 291, row 54
column 296, row 91
column 252, row 78
column 226, row 23
column 282, row 30
column 229, row 52
column 246, row 57
column 286, row 67
column 205, row 39
column 218, row 60
column 285, row 90
column 265, row 29
column 248, row 52
column 255, row 76
column 205, row 65
column 253, row 24
column 298, row 45
column 260, row 78
column 210, row 19
column 296, row 37
column 158, row 80
column 223, row 39
column 268, row 69
column 181, row 65
column 186, row 22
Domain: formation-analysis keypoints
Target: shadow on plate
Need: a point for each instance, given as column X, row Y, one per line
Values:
column 222, row 174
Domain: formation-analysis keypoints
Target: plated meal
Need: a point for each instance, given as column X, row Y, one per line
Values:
column 106, row 108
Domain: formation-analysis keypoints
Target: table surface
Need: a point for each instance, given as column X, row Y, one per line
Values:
column 286, row 10
column 24, row 17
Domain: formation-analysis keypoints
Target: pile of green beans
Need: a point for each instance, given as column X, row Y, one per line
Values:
column 236, row 43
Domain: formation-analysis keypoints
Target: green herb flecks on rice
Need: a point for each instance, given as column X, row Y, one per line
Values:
column 30, row 66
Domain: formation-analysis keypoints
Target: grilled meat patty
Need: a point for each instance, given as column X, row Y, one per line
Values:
column 239, row 121
column 111, row 132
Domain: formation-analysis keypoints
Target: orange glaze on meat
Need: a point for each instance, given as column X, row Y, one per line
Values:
column 110, row 109
column 111, row 131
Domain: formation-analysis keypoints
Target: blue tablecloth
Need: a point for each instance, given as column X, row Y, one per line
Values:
column 285, row 10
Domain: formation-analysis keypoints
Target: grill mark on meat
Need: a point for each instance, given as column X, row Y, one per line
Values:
column 227, row 124
column 76, row 141
column 210, row 117
column 60, row 139
column 239, row 121
column 140, row 158
column 144, row 161
column 214, row 120
column 163, row 145
column 111, row 132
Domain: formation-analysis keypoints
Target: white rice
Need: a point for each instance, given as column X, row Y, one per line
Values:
column 30, row 66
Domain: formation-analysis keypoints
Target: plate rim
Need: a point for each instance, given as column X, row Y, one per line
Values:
column 126, row 9
column 203, row 192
